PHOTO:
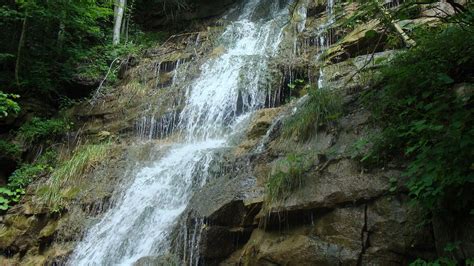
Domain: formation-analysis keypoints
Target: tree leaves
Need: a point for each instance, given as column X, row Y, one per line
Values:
column 426, row 121
column 7, row 105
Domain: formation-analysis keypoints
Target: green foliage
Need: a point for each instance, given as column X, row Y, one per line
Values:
column 94, row 63
column 298, row 86
column 8, row 105
column 63, row 41
column 321, row 107
column 426, row 120
column 70, row 170
column 56, row 33
column 8, row 149
column 22, row 177
column 441, row 262
column 286, row 177
column 38, row 129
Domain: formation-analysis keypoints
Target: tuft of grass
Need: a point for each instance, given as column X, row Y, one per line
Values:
column 322, row 107
column 287, row 177
column 83, row 159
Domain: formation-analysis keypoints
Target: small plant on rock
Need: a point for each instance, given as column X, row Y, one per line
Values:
column 287, row 177
column 321, row 107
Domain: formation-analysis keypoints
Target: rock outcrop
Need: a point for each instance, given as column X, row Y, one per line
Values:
column 343, row 213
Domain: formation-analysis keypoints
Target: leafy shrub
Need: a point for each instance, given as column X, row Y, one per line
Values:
column 286, row 178
column 38, row 129
column 322, row 106
column 8, row 105
column 425, row 120
column 22, row 177
column 8, row 149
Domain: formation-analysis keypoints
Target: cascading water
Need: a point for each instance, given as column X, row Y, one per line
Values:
column 324, row 38
column 230, row 87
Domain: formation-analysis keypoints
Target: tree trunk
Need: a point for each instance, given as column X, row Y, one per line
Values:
column 119, row 8
column 20, row 46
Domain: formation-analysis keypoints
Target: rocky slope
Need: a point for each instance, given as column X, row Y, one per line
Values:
column 342, row 213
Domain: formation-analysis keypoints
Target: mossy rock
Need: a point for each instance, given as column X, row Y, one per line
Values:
column 8, row 235
column 49, row 229
column 34, row 261
column 19, row 221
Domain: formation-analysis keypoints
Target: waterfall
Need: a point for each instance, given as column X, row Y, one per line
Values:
column 230, row 87
column 324, row 39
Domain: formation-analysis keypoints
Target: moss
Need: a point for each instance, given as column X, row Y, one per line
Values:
column 8, row 235
column 18, row 221
column 49, row 229
column 34, row 261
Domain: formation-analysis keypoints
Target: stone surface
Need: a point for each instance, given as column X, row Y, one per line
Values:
column 342, row 182
column 156, row 14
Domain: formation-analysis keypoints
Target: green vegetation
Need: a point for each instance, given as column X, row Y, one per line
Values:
column 49, row 45
column 286, row 177
column 321, row 107
column 8, row 149
column 440, row 262
column 51, row 37
column 68, row 171
column 38, row 129
column 61, row 173
column 23, row 176
column 7, row 104
column 428, row 119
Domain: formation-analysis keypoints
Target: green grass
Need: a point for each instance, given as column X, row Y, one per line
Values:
column 83, row 159
column 322, row 107
column 286, row 177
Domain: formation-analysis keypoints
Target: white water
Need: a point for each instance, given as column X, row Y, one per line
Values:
column 324, row 39
column 229, row 88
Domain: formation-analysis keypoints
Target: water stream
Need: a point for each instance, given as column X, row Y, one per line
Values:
column 325, row 39
column 229, row 87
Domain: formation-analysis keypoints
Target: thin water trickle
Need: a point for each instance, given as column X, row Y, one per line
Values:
column 228, row 90
column 324, row 39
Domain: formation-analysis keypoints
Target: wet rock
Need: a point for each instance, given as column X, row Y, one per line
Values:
column 293, row 248
column 364, row 39
column 228, row 202
column 394, row 232
column 219, row 242
column 258, row 127
column 164, row 260
column 342, row 182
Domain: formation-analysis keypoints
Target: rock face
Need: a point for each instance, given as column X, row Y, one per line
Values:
column 342, row 213
column 155, row 14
